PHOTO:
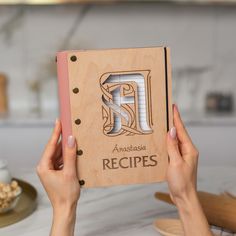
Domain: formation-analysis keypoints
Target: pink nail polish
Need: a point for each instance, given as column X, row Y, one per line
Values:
column 176, row 108
column 173, row 133
column 71, row 141
column 56, row 121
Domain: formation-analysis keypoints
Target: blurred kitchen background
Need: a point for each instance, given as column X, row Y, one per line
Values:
column 202, row 37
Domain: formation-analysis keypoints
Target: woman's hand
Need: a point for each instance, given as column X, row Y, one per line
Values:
column 183, row 161
column 182, row 178
column 58, row 175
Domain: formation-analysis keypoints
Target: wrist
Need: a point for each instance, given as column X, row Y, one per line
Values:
column 64, row 217
column 192, row 216
column 65, row 212
column 188, row 202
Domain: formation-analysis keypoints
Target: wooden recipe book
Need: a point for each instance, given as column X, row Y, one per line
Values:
column 117, row 103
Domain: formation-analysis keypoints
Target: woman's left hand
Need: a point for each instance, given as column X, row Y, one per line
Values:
column 58, row 175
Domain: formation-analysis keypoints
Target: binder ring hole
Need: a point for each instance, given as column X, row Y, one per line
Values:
column 75, row 90
column 81, row 182
column 73, row 58
column 78, row 122
column 79, row 152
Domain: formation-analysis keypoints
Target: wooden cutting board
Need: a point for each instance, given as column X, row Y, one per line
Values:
column 220, row 210
column 169, row 227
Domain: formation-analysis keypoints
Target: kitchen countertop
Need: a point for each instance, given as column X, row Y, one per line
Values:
column 122, row 210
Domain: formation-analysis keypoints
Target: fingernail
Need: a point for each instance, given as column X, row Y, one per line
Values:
column 173, row 133
column 71, row 141
column 176, row 108
column 56, row 121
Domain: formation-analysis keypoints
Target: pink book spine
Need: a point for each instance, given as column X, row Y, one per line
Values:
column 64, row 95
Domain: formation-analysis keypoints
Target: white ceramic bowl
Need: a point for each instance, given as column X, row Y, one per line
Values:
column 5, row 176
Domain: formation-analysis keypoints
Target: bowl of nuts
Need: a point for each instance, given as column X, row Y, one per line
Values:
column 9, row 196
column 10, row 190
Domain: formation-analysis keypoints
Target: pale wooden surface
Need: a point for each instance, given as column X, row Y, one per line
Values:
column 84, row 73
column 169, row 227
column 220, row 209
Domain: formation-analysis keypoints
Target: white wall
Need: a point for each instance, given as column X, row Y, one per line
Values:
column 201, row 37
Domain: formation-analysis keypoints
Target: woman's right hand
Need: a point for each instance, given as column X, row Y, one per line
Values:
column 182, row 178
column 183, row 161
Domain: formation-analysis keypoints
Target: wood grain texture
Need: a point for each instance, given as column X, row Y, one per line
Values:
column 86, row 71
column 169, row 227
column 220, row 210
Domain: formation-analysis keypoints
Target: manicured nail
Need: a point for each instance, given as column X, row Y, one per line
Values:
column 173, row 133
column 71, row 141
column 176, row 108
column 56, row 121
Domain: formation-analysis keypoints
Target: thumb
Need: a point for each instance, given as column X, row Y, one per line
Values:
column 69, row 156
column 173, row 147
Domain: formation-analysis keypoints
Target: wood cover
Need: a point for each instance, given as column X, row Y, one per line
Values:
column 117, row 103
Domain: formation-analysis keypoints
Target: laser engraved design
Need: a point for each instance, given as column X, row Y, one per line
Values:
column 126, row 100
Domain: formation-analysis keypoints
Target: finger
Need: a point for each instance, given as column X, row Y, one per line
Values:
column 48, row 155
column 172, row 147
column 181, row 130
column 55, row 137
column 69, row 156
column 186, row 145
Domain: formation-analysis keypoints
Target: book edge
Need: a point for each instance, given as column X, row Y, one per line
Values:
column 169, row 94
column 106, row 49
column 64, row 95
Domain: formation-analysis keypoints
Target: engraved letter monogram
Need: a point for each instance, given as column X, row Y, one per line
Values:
column 126, row 98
